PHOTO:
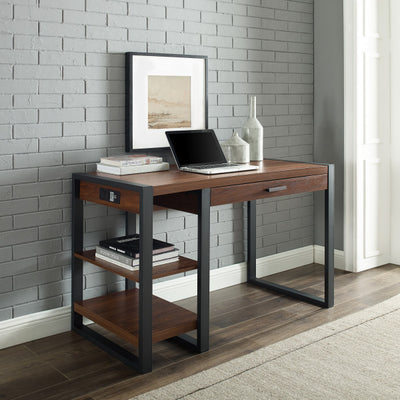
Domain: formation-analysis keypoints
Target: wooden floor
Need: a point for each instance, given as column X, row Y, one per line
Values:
column 243, row 319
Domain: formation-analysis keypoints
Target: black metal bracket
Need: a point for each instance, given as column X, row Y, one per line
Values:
column 328, row 300
column 109, row 346
column 202, row 342
column 203, row 270
column 143, row 362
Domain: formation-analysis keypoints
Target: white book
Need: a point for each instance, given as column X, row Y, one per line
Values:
column 136, row 267
column 130, row 159
column 132, row 169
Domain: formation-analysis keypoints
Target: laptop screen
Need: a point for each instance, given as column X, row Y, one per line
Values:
column 195, row 147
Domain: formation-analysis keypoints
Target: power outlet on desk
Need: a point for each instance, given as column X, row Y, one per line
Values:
column 110, row 195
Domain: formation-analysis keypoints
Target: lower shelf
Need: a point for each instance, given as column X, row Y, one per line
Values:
column 119, row 313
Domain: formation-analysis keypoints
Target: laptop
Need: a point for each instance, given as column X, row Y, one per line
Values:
column 199, row 151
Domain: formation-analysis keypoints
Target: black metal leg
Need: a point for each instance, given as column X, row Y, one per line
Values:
column 329, row 238
column 130, row 228
column 203, row 271
column 145, row 280
column 251, row 240
column 328, row 299
column 77, row 245
column 202, row 343
column 110, row 347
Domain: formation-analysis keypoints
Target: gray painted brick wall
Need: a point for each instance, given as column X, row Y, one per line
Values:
column 62, row 108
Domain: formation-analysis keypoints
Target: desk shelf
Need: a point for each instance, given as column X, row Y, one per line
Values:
column 118, row 312
column 182, row 265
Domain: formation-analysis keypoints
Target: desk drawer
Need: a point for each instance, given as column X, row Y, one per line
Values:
column 266, row 189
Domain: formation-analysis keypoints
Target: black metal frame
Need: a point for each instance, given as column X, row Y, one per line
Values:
column 201, row 343
column 143, row 362
column 129, row 94
column 328, row 300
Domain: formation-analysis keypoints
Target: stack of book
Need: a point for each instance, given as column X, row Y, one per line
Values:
column 124, row 252
column 131, row 164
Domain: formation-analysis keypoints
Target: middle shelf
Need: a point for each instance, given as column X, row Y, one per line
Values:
column 182, row 265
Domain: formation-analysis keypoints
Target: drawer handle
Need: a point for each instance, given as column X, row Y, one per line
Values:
column 276, row 189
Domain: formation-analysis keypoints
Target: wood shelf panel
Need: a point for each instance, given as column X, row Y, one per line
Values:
column 119, row 313
column 182, row 265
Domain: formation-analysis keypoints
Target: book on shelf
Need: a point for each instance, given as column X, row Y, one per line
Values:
column 135, row 267
column 114, row 256
column 130, row 159
column 132, row 169
column 129, row 245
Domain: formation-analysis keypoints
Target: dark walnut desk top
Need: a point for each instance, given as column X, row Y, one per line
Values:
column 175, row 189
column 174, row 181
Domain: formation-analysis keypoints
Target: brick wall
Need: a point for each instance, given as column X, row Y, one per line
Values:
column 62, row 108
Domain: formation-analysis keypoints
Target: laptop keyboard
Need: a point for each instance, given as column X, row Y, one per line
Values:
column 207, row 166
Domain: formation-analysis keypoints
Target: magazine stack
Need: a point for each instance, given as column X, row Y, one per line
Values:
column 124, row 252
column 131, row 164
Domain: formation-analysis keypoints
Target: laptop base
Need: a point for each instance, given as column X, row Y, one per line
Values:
column 222, row 170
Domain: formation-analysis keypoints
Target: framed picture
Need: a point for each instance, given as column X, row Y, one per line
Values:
column 163, row 92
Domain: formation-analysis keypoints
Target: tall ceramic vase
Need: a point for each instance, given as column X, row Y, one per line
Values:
column 253, row 133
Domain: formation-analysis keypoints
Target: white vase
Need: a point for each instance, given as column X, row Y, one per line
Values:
column 253, row 133
column 236, row 150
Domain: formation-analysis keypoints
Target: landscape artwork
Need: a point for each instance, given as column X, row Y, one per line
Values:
column 169, row 102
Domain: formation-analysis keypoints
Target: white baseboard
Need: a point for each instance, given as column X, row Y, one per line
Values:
column 34, row 326
column 319, row 256
column 51, row 322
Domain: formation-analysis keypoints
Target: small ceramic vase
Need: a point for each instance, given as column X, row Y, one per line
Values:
column 236, row 150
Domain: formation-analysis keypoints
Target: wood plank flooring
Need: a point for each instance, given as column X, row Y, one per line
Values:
column 244, row 318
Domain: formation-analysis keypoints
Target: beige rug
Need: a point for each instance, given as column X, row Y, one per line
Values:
column 356, row 357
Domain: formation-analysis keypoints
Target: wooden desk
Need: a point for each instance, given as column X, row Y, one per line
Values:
column 136, row 315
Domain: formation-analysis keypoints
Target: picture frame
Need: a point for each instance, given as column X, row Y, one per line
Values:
column 163, row 92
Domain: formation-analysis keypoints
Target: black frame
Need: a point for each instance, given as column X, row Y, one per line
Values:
column 143, row 362
column 129, row 96
column 328, row 300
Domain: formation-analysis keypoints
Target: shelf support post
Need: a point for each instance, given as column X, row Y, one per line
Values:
column 130, row 228
column 203, row 272
column 329, row 238
column 145, row 279
column 77, row 246
column 251, row 240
